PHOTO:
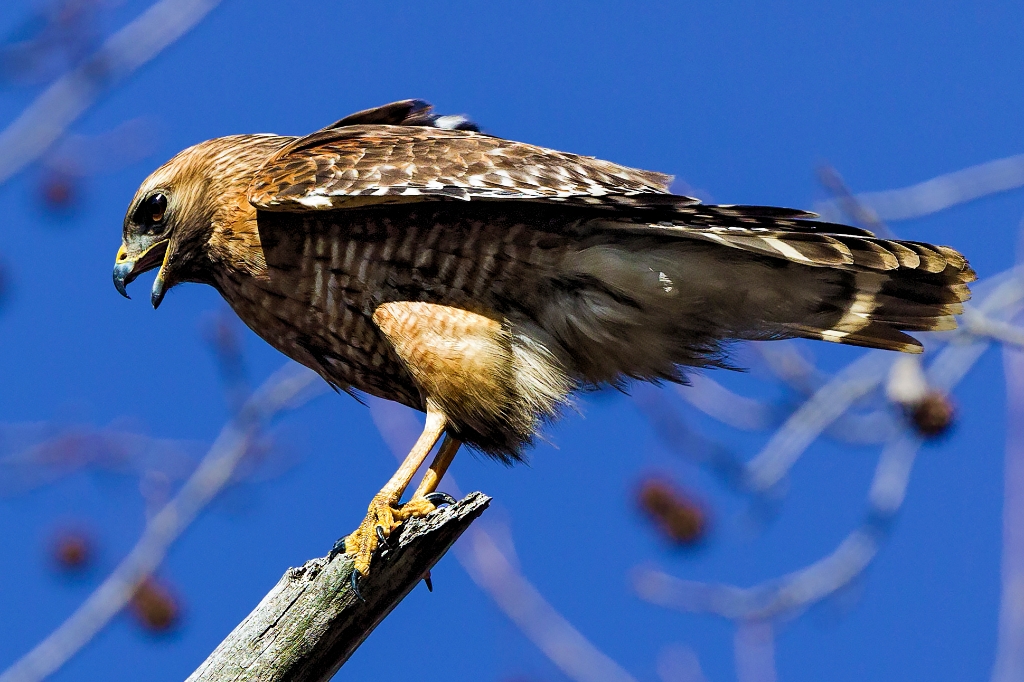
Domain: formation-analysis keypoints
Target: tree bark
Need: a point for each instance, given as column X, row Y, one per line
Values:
column 312, row 621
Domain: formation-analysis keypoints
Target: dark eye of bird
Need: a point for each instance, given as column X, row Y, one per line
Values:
column 156, row 206
column 150, row 214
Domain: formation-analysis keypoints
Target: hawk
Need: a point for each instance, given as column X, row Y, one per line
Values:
column 483, row 281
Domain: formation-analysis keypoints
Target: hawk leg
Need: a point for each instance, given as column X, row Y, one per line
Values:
column 438, row 467
column 457, row 358
column 385, row 513
column 423, row 500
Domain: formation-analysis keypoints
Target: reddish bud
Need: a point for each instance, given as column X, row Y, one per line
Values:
column 933, row 415
column 72, row 551
column 58, row 191
column 154, row 606
column 673, row 512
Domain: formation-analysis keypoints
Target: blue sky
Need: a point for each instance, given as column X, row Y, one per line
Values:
column 740, row 100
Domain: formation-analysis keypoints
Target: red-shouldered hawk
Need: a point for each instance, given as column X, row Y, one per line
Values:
column 483, row 281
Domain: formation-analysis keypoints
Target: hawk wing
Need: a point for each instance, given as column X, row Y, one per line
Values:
column 402, row 153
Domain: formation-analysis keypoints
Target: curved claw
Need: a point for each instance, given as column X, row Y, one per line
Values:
column 382, row 541
column 439, row 498
column 338, row 548
column 354, row 582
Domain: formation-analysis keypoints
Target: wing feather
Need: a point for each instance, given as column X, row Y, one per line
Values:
column 407, row 112
column 359, row 164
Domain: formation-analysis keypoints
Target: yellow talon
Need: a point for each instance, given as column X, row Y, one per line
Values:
column 385, row 516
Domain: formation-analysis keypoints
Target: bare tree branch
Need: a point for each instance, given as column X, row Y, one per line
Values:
column 939, row 193
column 732, row 409
column 1009, row 663
column 785, row 596
column 1009, row 655
column 754, row 644
column 311, row 622
column 850, row 204
column 785, row 360
column 679, row 663
column 749, row 414
column 535, row 617
column 805, row 425
column 288, row 388
column 980, row 324
column 46, row 119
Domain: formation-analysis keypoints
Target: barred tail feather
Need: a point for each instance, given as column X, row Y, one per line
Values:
column 647, row 304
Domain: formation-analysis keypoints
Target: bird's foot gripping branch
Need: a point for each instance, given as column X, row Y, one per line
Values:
column 312, row 620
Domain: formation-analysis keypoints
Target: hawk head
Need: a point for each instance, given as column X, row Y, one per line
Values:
column 174, row 215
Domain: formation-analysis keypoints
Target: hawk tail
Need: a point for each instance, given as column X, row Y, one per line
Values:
column 647, row 305
column 880, row 305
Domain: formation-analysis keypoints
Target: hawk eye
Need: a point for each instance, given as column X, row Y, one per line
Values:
column 149, row 216
column 156, row 206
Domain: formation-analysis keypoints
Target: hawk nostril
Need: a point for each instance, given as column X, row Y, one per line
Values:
column 122, row 256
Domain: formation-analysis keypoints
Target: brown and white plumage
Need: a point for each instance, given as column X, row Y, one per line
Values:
column 596, row 266
column 414, row 258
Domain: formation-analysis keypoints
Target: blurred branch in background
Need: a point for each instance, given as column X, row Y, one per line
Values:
column 287, row 389
column 792, row 366
column 64, row 41
column 679, row 663
column 36, row 455
column 937, row 194
column 754, row 644
column 766, row 469
column 672, row 429
column 489, row 559
column 47, row 118
column 1009, row 659
column 849, row 204
column 75, row 157
column 534, row 615
column 224, row 337
column 787, row 596
column 56, row 37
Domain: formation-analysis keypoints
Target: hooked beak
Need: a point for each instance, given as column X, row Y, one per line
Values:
column 126, row 269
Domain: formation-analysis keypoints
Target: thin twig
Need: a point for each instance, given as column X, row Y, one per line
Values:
column 805, row 425
column 286, row 389
column 1009, row 663
column 46, row 119
column 749, row 414
column 786, row 361
column 942, row 192
column 851, row 204
column 754, row 646
column 783, row 597
column 732, row 409
column 535, row 617
column 980, row 324
column 671, row 428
